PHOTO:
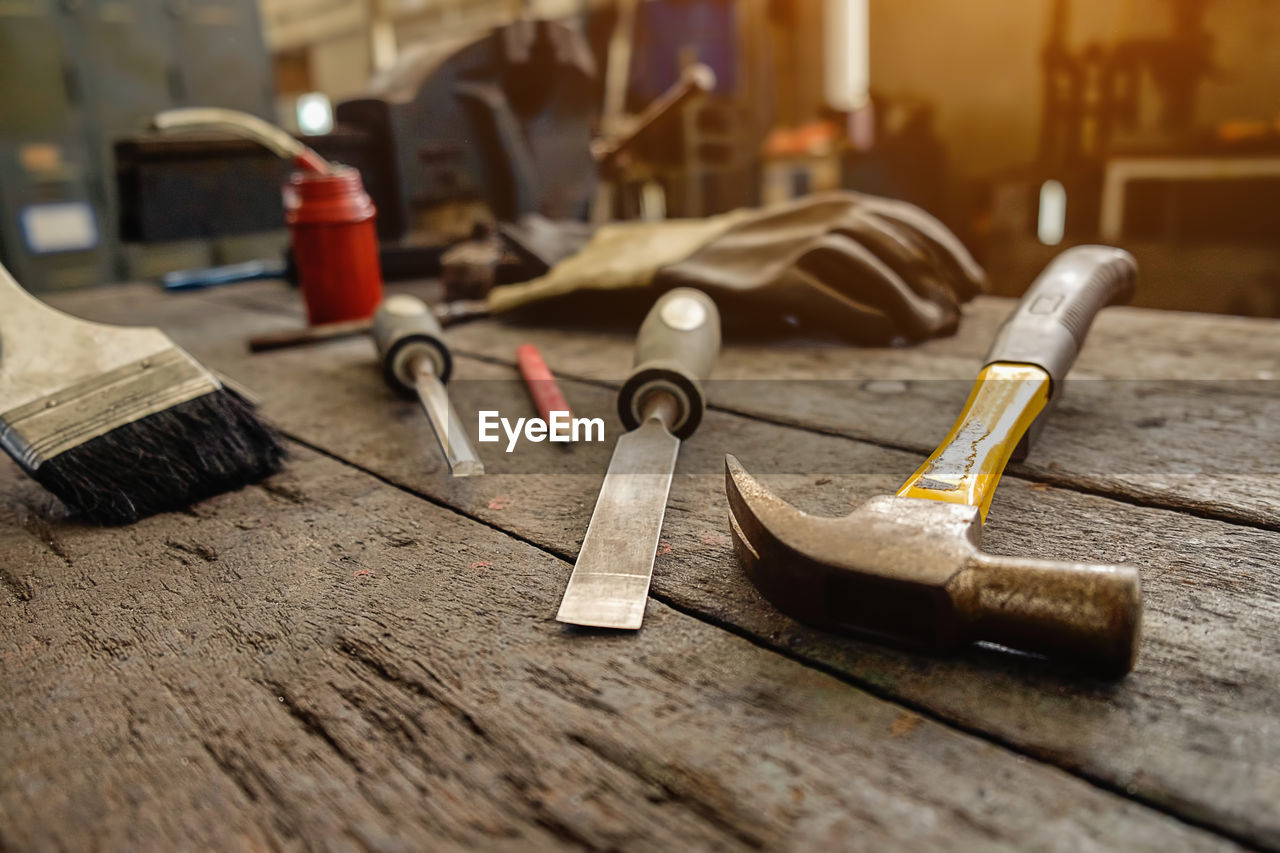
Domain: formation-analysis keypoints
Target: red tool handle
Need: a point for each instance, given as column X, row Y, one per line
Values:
column 546, row 393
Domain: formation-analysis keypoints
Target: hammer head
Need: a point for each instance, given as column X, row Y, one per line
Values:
column 911, row 571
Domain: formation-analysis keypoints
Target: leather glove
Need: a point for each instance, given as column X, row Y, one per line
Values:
column 866, row 269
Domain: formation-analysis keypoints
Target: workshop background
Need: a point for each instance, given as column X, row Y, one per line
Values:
column 1025, row 126
column 262, row 587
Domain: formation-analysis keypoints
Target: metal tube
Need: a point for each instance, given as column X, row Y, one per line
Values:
column 661, row 405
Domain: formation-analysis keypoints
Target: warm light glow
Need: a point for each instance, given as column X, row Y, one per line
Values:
column 1052, row 222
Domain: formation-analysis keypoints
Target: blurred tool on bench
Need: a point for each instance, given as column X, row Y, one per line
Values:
column 198, row 279
column 533, row 244
column 857, row 268
column 612, row 154
column 496, row 129
column 416, row 361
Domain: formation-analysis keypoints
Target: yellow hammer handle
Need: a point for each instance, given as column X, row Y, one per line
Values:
column 1028, row 361
column 967, row 465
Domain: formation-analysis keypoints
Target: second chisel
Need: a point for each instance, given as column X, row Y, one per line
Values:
column 661, row 403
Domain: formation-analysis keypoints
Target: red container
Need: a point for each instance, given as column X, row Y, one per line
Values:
column 335, row 245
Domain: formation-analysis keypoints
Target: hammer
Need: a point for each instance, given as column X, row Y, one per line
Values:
column 908, row 568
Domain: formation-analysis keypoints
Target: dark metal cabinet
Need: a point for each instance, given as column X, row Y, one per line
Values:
column 52, row 220
column 75, row 76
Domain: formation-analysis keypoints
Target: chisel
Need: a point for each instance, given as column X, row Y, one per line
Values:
column 416, row 361
column 660, row 404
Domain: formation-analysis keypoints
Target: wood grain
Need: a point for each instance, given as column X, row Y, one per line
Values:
column 1164, row 409
column 328, row 662
column 1169, row 409
column 1193, row 731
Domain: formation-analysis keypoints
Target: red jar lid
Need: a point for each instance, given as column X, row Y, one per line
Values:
column 332, row 198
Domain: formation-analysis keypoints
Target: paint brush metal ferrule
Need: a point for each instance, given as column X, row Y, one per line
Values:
column 47, row 426
column 119, row 422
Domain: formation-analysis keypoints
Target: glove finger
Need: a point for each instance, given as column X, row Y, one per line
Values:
column 968, row 275
column 903, row 251
column 854, row 274
column 936, row 278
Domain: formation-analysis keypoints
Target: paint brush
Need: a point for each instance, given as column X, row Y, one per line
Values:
column 119, row 422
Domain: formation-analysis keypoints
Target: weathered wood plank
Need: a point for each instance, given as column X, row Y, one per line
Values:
column 1183, row 420
column 1131, row 344
column 1210, row 593
column 328, row 662
column 1166, row 733
column 1182, row 413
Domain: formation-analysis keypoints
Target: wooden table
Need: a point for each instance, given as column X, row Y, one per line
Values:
column 360, row 653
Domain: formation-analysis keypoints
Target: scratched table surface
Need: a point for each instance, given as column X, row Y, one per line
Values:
column 361, row 652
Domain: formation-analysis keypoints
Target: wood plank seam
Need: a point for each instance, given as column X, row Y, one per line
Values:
column 1014, row 470
column 865, row 686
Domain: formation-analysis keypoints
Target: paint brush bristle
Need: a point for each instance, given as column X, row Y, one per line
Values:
column 165, row 461
column 118, row 421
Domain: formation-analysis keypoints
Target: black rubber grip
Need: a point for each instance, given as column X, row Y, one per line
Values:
column 405, row 327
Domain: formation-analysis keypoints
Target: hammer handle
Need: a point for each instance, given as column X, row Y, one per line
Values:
column 1050, row 323
column 675, row 349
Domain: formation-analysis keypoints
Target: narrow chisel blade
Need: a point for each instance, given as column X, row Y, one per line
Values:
column 450, row 433
column 610, row 582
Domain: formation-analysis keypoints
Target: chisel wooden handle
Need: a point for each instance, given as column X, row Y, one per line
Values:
column 404, row 328
column 675, row 349
column 1050, row 323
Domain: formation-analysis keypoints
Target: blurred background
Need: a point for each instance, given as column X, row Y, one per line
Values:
column 1025, row 125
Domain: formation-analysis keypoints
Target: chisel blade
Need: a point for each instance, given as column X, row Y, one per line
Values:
column 610, row 583
column 450, row 433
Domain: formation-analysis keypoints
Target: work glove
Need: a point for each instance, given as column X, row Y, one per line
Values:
column 865, row 269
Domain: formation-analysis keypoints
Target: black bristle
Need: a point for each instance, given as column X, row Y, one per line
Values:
column 165, row 461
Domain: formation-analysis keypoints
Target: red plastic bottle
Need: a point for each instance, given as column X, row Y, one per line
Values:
column 335, row 244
